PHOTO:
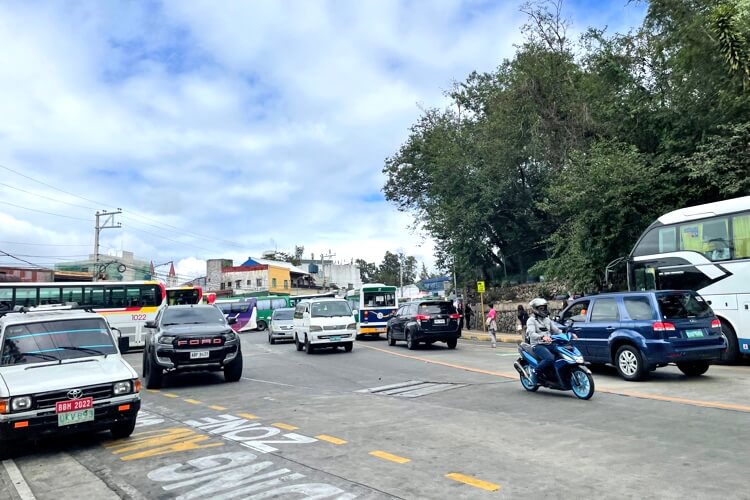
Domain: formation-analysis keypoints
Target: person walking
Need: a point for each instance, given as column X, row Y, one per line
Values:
column 491, row 323
column 460, row 314
column 468, row 312
column 523, row 318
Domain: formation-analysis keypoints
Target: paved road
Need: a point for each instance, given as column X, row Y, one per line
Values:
column 454, row 424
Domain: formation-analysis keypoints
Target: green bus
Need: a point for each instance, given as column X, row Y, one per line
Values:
column 266, row 306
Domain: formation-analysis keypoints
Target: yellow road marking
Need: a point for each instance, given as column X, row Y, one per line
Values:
column 472, row 481
column 217, row 408
column 389, row 456
column 286, row 427
column 248, row 416
column 153, row 391
column 641, row 395
column 193, row 401
column 330, row 439
column 170, row 395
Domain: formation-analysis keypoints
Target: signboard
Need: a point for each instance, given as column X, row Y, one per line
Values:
column 480, row 286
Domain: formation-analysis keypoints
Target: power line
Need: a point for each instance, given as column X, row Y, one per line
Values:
column 40, row 244
column 46, row 197
column 43, row 212
column 22, row 260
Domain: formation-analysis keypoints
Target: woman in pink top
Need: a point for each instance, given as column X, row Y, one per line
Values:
column 492, row 324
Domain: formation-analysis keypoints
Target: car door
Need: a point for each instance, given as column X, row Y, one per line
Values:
column 578, row 313
column 395, row 322
column 409, row 312
column 604, row 319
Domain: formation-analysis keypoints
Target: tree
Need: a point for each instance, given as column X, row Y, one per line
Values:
column 367, row 271
column 424, row 274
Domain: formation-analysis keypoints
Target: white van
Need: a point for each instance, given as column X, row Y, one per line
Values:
column 325, row 322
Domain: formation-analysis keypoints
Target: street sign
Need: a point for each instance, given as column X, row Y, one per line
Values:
column 480, row 286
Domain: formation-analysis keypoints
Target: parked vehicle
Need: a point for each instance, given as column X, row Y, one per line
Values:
column 427, row 321
column 567, row 374
column 79, row 381
column 641, row 331
column 282, row 325
column 190, row 338
column 324, row 323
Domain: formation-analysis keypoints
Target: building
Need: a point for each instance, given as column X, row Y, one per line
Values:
column 255, row 276
column 327, row 273
column 122, row 266
column 437, row 286
column 26, row 274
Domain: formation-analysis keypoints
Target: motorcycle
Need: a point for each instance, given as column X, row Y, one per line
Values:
column 568, row 373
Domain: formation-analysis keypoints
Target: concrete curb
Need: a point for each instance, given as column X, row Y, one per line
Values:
column 509, row 338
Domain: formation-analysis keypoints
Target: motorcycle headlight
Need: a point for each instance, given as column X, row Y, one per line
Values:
column 20, row 404
column 579, row 359
column 166, row 339
column 123, row 388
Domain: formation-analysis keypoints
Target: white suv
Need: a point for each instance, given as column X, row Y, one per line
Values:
column 61, row 372
column 324, row 323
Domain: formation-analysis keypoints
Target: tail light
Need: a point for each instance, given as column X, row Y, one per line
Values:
column 455, row 316
column 715, row 323
column 660, row 326
column 423, row 317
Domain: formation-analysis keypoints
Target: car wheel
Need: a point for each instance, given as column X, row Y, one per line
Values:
column 693, row 368
column 411, row 344
column 271, row 340
column 123, row 429
column 629, row 363
column 261, row 325
column 308, row 346
column 233, row 371
column 389, row 336
column 731, row 353
column 153, row 374
column 452, row 343
column 297, row 343
column 348, row 347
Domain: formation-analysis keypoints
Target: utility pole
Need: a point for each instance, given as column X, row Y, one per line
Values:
column 109, row 223
column 322, row 265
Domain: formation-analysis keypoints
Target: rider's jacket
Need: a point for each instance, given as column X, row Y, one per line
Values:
column 536, row 328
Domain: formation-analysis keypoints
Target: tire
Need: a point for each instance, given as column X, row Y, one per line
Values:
column 123, row 429
column 308, row 346
column 629, row 363
column 733, row 347
column 271, row 340
column 452, row 343
column 348, row 347
column 411, row 344
column 525, row 382
column 297, row 343
column 693, row 368
column 233, row 371
column 582, row 383
column 262, row 325
column 153, row 375
column 389, row 336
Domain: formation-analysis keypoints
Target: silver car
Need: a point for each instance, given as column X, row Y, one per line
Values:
column 282, row 325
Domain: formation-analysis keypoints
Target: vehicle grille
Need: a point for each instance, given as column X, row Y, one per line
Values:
column 48, row 399
column 198, row 342
column 335, row 327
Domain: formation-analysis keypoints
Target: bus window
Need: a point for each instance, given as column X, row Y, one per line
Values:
column 116, row 297
column 741, row 230
column 133, row 297
column 380, row 299
column 278, row 303
column 264, row 304
column 645, row 277
column 6, row 298
column 49, row 296
column 150, row 296
column 26, row 297
column 72, row 294
column 658, row 240
column 94, row 297
column 709, row 237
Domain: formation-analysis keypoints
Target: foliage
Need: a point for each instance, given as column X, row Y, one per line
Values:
column 390, row 270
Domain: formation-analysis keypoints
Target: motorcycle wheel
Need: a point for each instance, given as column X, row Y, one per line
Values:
column 526, row 383
column 582, row 383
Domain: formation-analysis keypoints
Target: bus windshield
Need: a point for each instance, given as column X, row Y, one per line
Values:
column 379, row 299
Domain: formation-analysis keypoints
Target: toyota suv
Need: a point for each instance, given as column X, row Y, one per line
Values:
column 190, row 337
column 641, row 331
column 61, row 372
column 427, row 321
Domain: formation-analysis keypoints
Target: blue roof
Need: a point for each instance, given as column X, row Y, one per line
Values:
column 439, row 279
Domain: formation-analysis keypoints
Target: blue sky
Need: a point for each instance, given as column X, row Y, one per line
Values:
column 227, row 128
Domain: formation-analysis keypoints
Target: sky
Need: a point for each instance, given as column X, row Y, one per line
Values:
column 223, row 129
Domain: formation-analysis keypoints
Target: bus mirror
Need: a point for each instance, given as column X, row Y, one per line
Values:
column 150, row 324
column 232, row 320
column 117, row 332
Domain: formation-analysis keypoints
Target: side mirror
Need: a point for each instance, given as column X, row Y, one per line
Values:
column 232, row 320
column 117, row 332
column 355, row 312
column 150, row 324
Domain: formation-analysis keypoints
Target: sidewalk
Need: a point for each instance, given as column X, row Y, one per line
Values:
column 510, row 338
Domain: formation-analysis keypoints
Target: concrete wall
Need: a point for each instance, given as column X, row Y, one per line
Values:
column 282, row 276
column 214, row 273
column 243, row 277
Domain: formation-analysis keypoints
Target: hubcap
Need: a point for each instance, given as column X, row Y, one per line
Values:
column 628, row 363
column 580, row 382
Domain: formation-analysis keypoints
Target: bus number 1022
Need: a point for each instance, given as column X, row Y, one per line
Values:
column 138, row 317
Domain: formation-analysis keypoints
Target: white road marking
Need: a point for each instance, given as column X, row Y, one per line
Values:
column 19, row 483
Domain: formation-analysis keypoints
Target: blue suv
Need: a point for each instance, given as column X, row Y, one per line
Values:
column 641, row 331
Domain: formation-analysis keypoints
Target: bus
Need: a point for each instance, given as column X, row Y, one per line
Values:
column 373, row 305
column 126, row 305
column 184, row 295
column 245, row 310
column 295, row 299
column 705, row 248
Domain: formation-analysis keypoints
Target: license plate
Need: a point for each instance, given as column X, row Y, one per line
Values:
column 74, row 405
column 198, row 354
column 334, row 339
column 439, row 321
column 694, row 333
column 75, row 417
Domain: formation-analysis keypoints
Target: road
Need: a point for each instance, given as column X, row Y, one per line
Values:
column 326, row 426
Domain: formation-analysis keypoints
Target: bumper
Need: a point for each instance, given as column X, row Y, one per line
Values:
column 423, row 336
column 171, row 358
column 663, row 352
column 329, row 339
column 282, row 334
column 371, row 330
column 44, row 423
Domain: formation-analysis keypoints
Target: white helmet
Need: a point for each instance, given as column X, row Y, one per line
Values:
column 539, row 307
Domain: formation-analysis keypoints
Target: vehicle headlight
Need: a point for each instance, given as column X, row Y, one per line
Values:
column 314, row 328
column 166, row 339
column 351, row 326
column 579, row 359
column 20, row 404
column 123, row 388
column 230, row 336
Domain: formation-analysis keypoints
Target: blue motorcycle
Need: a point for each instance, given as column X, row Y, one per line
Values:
column 568, row 373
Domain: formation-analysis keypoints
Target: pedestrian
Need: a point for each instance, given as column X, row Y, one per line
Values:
column 523, row 317
column 461, row 314
column 492, row 325
column 468, row 312
column 564, row 303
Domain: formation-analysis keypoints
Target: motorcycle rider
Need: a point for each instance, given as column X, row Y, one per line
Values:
column 538, row 330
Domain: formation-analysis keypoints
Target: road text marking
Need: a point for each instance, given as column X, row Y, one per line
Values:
column 330, row 439
column 286, row 427
column 472, row 481
column 388, row 456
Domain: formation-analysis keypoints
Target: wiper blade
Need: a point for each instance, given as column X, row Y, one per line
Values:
column 48, row 357
column 90, row 350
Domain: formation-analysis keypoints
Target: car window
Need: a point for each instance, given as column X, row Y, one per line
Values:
column 639, row 308
column 437, row 308
column 192, row 315
column 54, row 340
column 576, row 312
column 605, row 310
column 676, row 305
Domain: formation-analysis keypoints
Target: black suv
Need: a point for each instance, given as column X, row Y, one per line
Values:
column 425, row 321
column 190, row 337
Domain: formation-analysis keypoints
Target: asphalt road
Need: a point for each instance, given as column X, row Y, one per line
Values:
column 455, row 424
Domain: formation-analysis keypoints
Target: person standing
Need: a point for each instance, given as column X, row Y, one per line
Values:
column 468, row 312
column 460, row 314
column 523, row 317
column 491, row 323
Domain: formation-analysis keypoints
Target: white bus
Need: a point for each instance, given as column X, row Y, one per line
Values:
column 127, row 305
column 705, row 248
column 373, row 305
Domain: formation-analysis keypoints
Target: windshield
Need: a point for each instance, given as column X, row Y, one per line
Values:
column 283, row 314
column 330, row 309
column 56, row 340
column 380, row 299
column 683, row 306
column 192, row 315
